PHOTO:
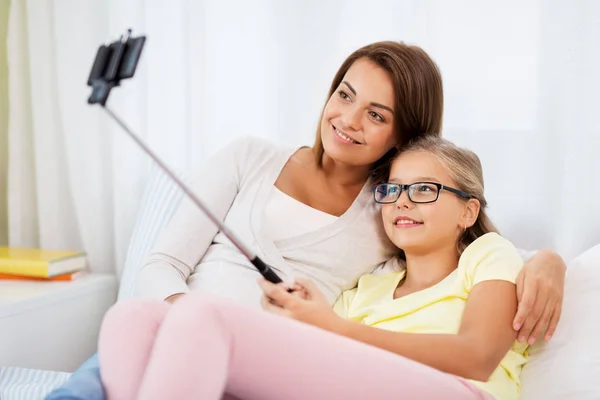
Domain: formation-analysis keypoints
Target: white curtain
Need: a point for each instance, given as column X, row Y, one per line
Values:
column 4, row 7
column 520, row 78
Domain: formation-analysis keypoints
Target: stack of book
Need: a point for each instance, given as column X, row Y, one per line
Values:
column 39, row 264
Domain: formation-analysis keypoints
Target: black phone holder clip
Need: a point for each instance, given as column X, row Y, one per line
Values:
column 113, row 63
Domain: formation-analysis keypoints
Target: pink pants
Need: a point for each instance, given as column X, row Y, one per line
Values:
column 202, row 347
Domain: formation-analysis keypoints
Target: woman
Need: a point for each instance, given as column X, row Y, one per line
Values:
column 308, row 211
column 383, row 95
column 444, row 320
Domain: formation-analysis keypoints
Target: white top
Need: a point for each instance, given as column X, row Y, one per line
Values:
column 286, row 217
column 236, row 184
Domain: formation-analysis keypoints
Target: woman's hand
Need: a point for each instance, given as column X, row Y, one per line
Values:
column 306, row 303
column 540, row 289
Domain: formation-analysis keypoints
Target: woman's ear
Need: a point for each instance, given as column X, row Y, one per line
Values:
column 470, row 213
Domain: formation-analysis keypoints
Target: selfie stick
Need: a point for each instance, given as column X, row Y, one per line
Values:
column 118, row 61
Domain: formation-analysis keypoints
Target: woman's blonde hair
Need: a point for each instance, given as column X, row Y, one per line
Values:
column 464, row 167
column 419, row 95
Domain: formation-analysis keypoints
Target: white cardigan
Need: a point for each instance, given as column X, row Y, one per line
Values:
column 235, row 184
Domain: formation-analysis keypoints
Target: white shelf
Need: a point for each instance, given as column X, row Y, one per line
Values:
column 53, row 325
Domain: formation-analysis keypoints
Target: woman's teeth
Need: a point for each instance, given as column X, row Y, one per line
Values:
column 346, row 138
column 407, row 222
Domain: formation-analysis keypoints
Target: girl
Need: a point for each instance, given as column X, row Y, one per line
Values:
column 438, row 327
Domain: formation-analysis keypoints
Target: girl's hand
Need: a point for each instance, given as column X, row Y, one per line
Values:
column 306, row 304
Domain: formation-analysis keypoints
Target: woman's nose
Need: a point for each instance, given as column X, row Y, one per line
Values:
column 352, row 118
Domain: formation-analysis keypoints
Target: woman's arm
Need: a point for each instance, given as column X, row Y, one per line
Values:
column 186, row 238
column 484, row 338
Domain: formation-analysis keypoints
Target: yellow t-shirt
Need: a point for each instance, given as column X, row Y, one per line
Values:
column 439, row 308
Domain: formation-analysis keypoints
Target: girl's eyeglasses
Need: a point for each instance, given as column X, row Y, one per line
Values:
column 418, row 192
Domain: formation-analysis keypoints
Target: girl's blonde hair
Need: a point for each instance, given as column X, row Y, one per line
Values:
column 464, row 167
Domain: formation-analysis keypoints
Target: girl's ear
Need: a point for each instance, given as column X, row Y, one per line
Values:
column 470, row 213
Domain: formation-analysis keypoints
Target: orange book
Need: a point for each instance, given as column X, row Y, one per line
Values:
column 63, row 277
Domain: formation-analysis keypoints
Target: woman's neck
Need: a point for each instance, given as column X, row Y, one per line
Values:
column 343, row 174
column 425, row 269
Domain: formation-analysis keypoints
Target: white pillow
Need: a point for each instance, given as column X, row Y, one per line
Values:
column 568, row 367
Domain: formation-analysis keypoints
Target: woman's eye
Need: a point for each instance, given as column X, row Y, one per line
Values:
column 377, row 117
column 424, row 188
column 344, row 95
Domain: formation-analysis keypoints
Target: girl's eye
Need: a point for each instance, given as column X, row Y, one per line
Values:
column 377, row 117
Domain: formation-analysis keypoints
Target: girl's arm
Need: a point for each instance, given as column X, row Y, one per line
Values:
column 484, row 337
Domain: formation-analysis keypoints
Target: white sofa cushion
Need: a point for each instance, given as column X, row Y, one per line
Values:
column 568, row 367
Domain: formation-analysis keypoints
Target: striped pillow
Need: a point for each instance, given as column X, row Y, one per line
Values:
column 28, row 384
column 159, row 202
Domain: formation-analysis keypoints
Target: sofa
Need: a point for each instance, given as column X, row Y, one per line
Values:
column 568, row 367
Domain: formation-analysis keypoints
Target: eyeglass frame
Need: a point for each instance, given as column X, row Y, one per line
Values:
column 406, row 187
